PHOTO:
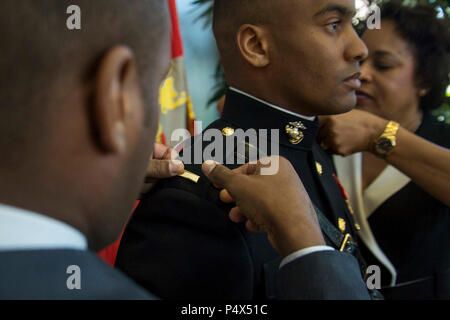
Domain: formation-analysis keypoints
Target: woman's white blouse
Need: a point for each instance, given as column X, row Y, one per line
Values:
column 364, row 203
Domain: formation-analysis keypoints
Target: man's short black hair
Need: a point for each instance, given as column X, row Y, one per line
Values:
column 429, row 37
column 249, row 11
column 40, row 58
column 229, row 15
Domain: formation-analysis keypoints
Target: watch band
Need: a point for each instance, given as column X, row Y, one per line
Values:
column 385, row 143
column 391, row 129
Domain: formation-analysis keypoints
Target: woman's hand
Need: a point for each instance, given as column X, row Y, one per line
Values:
column 427, row 164
column 351, row 132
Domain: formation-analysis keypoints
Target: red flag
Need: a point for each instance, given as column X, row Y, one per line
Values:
column 175, row 103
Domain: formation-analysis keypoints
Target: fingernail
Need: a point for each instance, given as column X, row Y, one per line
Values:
column 176, row 167
column 174, row 154
column 208, row 166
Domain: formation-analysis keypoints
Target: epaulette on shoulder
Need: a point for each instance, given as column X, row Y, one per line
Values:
column 190, row 182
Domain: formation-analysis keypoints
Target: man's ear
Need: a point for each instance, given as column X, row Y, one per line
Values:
column 253, row 45
column 117, row 100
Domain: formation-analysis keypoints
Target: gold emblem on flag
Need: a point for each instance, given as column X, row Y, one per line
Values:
column 169, row 98
column 173, row 91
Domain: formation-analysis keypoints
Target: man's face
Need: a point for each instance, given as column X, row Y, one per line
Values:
column 315, row 54
column 388, row 70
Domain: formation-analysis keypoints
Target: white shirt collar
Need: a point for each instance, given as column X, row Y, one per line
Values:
column 24, row 230
column 273, row 106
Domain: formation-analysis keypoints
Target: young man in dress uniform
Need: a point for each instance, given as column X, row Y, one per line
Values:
column 286, row 62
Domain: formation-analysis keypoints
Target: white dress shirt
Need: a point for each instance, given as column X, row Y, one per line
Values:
column 24, row 230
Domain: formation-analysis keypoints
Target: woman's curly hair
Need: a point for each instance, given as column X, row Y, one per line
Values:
column 429, row 37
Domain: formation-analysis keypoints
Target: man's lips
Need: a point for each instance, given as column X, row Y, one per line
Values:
column 353, row 81
column 362, row 96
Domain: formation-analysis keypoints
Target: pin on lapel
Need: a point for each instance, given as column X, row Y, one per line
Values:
column 293, row 129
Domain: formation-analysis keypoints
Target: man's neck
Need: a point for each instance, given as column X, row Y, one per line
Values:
column 272, row 105
column 45, row 200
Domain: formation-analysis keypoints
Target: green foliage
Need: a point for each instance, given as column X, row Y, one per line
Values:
column 443, row 113
column 206, row 10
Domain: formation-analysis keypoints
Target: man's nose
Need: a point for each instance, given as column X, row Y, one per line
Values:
column 356, row 49
column 366, row 75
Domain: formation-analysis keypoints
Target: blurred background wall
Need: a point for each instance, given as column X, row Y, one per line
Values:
column 201, row 56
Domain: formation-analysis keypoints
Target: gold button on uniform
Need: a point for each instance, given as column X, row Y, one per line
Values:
column 342, row 225
column 227, row 131
column 319, row 168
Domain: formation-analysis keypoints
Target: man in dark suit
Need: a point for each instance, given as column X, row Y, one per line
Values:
column 285, row 62
column 73, row 187
column 78, row 118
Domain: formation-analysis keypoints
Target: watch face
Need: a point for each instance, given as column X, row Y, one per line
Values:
column 384, row 145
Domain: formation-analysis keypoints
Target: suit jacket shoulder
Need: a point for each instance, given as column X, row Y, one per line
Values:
column 336, row 276
column 43, row 275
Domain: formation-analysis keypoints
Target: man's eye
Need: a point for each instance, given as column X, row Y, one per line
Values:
column 334, row 26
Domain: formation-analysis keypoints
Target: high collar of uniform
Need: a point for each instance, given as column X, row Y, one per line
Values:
column 247, row 113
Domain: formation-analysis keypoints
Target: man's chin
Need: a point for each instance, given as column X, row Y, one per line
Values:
column 342, row 107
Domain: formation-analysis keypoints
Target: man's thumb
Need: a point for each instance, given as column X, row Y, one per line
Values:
column 217, row 173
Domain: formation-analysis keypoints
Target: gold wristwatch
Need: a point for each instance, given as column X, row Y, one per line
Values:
column 385, row 143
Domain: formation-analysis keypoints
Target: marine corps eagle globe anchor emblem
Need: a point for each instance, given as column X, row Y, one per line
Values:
column 293, row 130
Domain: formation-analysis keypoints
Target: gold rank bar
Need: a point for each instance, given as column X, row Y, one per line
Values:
column 189, row 176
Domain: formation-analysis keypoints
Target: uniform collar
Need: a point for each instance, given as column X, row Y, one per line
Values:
column 272, row 105
column 248, row 112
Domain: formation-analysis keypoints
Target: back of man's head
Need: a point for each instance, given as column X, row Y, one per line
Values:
column 67, row 97
column 41, row 58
